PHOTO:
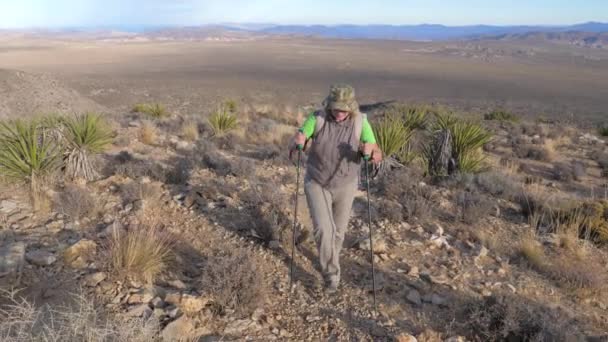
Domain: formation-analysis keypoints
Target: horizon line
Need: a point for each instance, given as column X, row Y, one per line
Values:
column 228, row 24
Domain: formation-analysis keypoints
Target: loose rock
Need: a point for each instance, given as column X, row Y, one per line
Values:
column 40, row 258
column 179, row 330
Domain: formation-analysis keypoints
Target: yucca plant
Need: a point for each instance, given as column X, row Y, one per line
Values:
column 85, row 136
column 223, row 121
column 392, row 136
column 155, row 110
column 26, row 156
column 465, row 141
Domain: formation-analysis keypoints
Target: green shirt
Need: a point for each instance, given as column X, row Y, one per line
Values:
column 367, row 133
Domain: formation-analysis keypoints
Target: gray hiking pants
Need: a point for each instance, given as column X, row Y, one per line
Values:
column 330, row 210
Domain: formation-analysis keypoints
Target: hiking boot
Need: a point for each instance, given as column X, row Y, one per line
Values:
column 331, row 287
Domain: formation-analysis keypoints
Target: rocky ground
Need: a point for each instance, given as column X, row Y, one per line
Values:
column 446, row 269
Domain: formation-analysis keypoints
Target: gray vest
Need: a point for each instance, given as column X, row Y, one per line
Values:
column 334, row 158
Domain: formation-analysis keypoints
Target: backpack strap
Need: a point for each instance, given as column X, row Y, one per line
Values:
column 321, row 118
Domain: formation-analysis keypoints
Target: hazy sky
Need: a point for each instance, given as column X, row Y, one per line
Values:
column 66, row 13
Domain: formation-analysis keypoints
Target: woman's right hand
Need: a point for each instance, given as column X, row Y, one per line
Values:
column 297, row 143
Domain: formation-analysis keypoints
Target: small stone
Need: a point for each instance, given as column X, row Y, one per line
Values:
column 414, row 272
column 134, row 124
column 159, row 313
column 405, row 338
column 174, row 312
column 8, row 206
column 238, row 327
column 456, row 339
column 274, row 245
column 55, row 226
column 414, row 297
column 512, row 288
column 486, row 293
column 437, row 230
column 173, row 298
column 178, row 284
column 142, row 310
column 192, row 305
column 94, row 279
column 179, row 330
column 12, row 259
column 158, row 303
column 80, row 253
column 40, row 258
column 438, row 300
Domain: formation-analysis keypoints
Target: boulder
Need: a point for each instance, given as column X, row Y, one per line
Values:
column 12, row 259
column 40, row 258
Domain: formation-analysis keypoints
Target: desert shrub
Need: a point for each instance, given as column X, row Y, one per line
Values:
column 603, row 131
column 208, row 155
column 235, row 281
column 269, row 206
column 392, row 136
column 85, row 135
column 148, row 133
column 242, row 167
column 140, row 254
column 180, row 172
column 534, row 130
column 466, row 140
column 26, row 156
column 391, row 211
column 501, row 115
column 515, row 318
column 80, row 320
column 473, row 207
column 602, row 160
column 76, row 203
column 541, row 153
column 223, row 120
column 190, row 131
column 138, row 168
column 155, row 110
column 568, row 172
column 498, row 184
column 418, row 203
column 148, row 193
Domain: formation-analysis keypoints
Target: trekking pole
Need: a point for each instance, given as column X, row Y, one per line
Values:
column 295, row 216
column 369, row 220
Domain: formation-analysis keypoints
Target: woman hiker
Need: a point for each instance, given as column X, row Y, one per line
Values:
column 340, row 135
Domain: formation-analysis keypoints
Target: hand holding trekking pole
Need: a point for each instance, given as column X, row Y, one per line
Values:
column 299, row 140
column 371, row 152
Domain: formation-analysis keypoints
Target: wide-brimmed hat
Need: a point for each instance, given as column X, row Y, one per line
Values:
column 341, row 97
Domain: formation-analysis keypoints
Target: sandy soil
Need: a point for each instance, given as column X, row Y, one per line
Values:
column 188, row 76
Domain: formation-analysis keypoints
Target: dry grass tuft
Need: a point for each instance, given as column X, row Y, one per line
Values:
column 76, row 202
column 190, row 131
column 141, row 253
column 532, row 252
column 82, row 321
column 235, row 281
column 148, row 133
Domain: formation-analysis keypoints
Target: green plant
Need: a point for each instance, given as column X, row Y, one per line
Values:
column 26, row 156
column 392, row 137
column 603, row 130
column 501, row 115
column 155, row 110
column 222, row 121
column 85, row 135
column 461, row 140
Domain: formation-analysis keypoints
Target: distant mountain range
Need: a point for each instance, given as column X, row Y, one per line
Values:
column 588, row 32
column 425, row 31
